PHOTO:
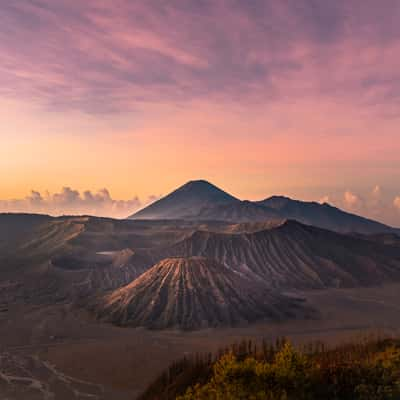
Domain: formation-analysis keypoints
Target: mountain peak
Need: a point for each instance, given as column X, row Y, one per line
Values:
column 276, row 202
column 200, row 185
column 189, row 199
column 198, row 182
column 201, row 200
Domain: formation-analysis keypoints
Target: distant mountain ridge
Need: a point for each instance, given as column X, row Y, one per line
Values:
column 201, row 200
column 294, row 255
column 324, row 216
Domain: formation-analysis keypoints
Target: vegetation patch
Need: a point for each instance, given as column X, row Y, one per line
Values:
column 367, row 370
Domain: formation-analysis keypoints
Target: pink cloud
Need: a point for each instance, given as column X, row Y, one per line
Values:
column 100, row 56
column 377, row 203
column 351, row 199
column 311, row 88
column 71, row 202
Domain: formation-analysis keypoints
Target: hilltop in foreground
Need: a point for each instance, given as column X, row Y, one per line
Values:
column 367, row 370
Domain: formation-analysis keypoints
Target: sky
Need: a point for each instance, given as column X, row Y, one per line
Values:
column 106, row 106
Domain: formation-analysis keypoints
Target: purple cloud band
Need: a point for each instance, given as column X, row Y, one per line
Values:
column 101, row 56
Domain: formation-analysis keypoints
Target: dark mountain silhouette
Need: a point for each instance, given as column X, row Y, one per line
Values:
column 186, row 201
column 192, row 293
column 323, row 215
column 200, row 200
column 239, row 211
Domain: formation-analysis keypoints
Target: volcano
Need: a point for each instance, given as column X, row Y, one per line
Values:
column 186, row 201
column 193, row 293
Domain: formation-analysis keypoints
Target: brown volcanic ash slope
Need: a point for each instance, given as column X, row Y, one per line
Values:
column 294, row 255
column 46, row 259
column 17, row 228
column 61, row 259
column 192, row 293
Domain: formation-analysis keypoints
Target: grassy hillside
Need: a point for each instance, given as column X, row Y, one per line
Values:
column 368, row 370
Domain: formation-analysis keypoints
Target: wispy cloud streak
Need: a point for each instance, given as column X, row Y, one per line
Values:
column 99, row 56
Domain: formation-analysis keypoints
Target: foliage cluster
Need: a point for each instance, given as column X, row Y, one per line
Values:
column 367, row 370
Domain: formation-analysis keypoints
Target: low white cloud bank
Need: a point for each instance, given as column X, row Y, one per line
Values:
column 72, row 202
column 376, row 204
